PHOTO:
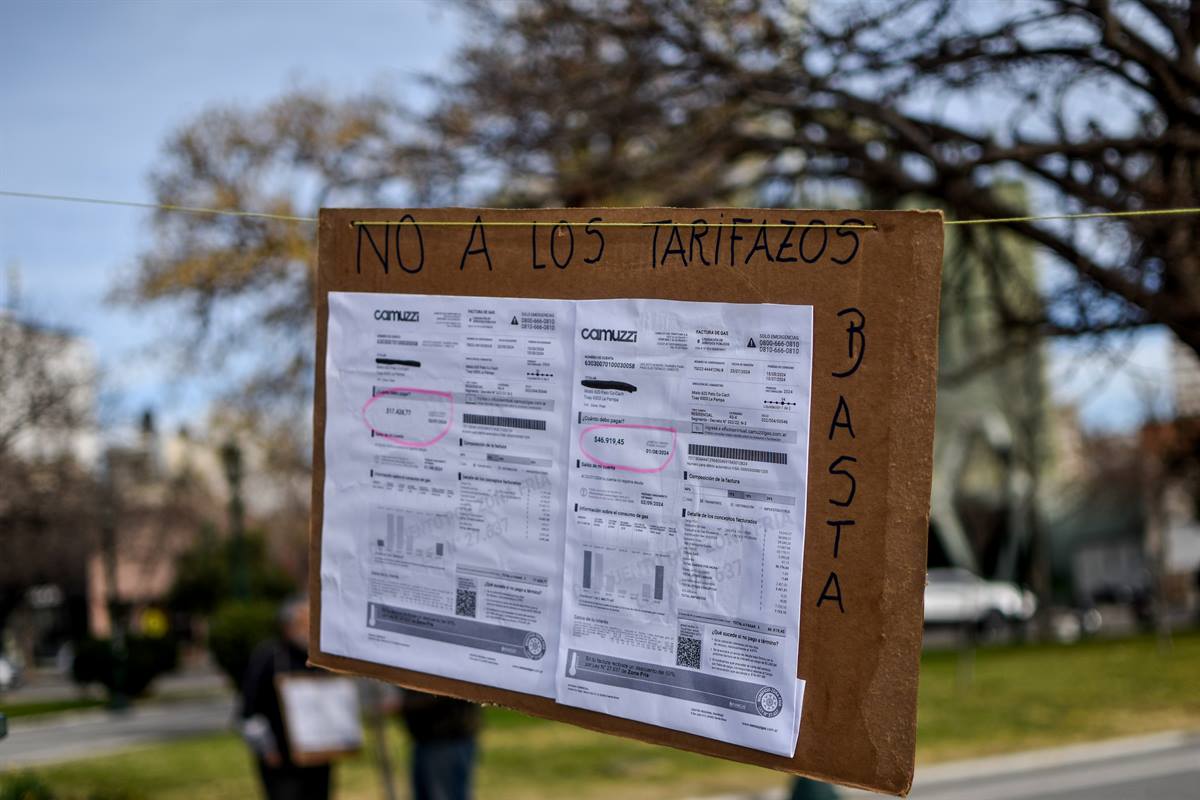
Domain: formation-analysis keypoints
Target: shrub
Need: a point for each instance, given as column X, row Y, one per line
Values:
column 97, row 661
column 236, row 629
column 28, row 786
column 204, row 573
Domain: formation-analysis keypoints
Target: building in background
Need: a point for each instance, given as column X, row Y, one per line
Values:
column 992, row 439
column 1021, row 493
column 91, row 518
column 1185, row 379
column 48, row 393
column 49, row 455
column 161, row 490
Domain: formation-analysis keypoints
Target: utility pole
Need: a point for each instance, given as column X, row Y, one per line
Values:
column 12, row 297
column 1153, row 476
column 116, row 609
column 231, row 458
column 1154, row 448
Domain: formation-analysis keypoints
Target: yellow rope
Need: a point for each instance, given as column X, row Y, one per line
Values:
column 160, row 206
column 542, row 223
column 1154, row 212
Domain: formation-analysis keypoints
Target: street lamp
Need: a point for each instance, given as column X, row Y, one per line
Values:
column 231, row 459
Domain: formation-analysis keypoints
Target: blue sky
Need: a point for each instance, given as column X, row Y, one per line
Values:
column 91, row 91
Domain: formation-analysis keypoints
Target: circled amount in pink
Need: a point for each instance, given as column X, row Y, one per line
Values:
column 403, row 390
column 626, row 426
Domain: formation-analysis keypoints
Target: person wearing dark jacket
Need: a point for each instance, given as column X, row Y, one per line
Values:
column 262, row 717
column 443, row 732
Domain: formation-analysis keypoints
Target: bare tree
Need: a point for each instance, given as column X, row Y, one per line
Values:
column 1084, row 105
column 46, row 388
column 1093, row 106
column 246, row 281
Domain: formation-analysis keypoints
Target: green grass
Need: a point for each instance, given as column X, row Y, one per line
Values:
column 213, row 766
column 34, row 708
column 1041, row 695
column 1010, row 699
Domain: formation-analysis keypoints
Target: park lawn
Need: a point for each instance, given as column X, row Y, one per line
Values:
column 39, row 707
column 1020, row 698
column 1009, row 699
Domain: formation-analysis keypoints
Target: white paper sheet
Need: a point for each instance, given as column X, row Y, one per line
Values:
column 685, row 532
column 634, row 468
column 321, row 713
column 444, row 484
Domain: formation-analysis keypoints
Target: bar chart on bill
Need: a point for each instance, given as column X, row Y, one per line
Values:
column 411, row 537
column 617, row 574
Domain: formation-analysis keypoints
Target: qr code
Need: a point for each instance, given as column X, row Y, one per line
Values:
column 687, row 652
column 464, row 603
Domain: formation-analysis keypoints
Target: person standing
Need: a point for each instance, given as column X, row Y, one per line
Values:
column 262, row 716
column 444, row 733
column 810, row 789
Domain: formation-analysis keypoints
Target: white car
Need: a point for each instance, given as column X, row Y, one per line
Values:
column 955, row 596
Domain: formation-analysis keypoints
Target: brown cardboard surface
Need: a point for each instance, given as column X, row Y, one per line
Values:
column 858, row 655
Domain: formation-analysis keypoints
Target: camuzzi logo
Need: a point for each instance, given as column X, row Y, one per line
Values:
column 391, row 315
column 608, row 335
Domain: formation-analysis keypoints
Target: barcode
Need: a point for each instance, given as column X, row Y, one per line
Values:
column 687, row 652
column 737, row 453
column 505, row 422
column 464, row 603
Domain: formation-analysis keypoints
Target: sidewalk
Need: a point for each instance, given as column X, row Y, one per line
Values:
column 47, row 685
column 194, row 700
column 1161, row 765
column 84, row 734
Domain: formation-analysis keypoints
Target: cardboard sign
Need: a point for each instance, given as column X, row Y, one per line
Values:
column 321, row 717
column 872, row 280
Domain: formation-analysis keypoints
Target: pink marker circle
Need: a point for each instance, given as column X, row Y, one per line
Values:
column 627, row 426
column 394, row 390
